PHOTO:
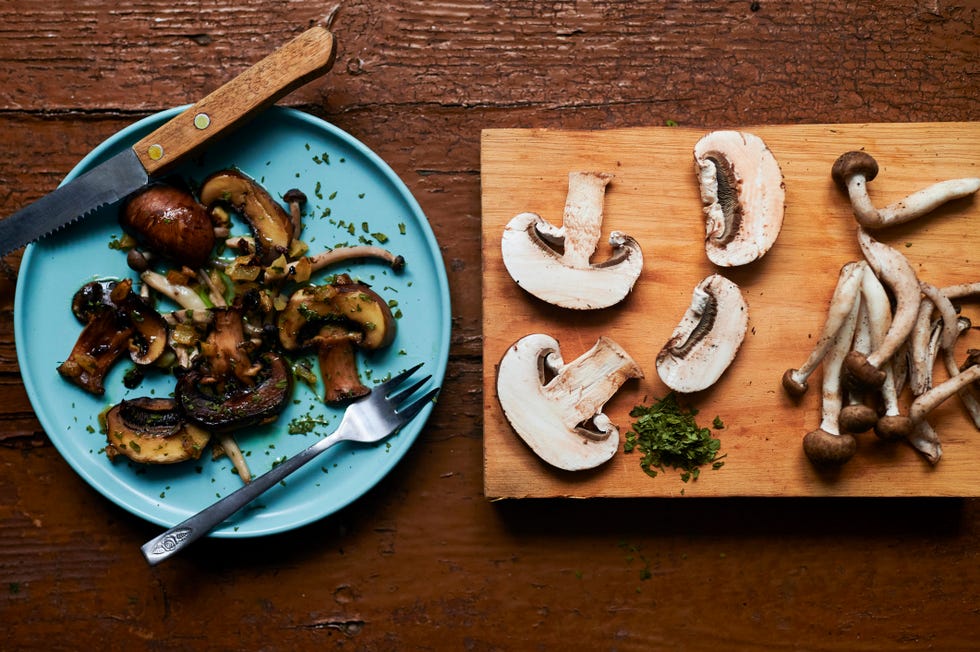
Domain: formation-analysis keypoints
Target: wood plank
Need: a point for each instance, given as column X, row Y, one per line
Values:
column 654, row 198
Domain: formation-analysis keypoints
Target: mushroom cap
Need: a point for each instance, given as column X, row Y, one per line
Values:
column 556, row 408
column 707, row 338
column 857, row 418
column 893, row 427
column 743, row 196
column 850, row 163
column 792, row 386
column 824, row 449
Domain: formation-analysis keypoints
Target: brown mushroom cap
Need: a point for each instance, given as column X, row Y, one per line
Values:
column 170, row 222
column 825, row 449
column 850, row 163
column 893, row 427
column 857, row 418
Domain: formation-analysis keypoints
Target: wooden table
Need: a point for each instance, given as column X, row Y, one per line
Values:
column 424, row 561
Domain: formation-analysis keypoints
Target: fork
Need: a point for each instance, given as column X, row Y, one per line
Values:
column 370, row 419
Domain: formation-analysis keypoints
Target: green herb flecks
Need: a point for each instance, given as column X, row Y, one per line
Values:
column 667, row 435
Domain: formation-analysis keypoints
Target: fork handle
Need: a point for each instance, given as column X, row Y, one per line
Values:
column 183, row 534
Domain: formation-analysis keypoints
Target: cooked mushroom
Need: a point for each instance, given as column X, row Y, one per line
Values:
column 333, row 320
column 272, row 228
column 553, row 263
column 743, row 194
column 152, row 431
column 896, row 272
column 853, row 170
column 707, row 338
column 232, row 405
column 117, row 321
column 171, row 222
column 556, row 408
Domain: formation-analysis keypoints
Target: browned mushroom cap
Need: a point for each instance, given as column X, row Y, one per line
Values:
column 152, row 431
column 233, row 405
column 853, row 163
column 271, row 226
column 170, row 222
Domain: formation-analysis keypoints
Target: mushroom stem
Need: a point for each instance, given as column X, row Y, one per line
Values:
column 296, row 199
column 853, row 170
column 967, row 397
column 343, row 254
column 924, row 438
column 841, row 303
column 857, row 416
column 896, row 272
column 827, row 445
column 231, row 448
column 180, row 294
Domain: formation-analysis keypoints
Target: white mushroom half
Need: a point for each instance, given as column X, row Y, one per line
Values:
column 707, row 338
column 743, row 196
column 554, row 263
column 556, row 408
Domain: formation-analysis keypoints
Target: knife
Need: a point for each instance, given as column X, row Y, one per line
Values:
column 306, row 57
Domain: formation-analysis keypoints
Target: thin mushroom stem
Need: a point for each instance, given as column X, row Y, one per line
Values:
column 962, row 290
column 230, row 446
column 344, row 254
column 179, row 294
column 852, row 172
column 857, row 416
column 924, row 437
column 970, row 402
column 897, row 273
column 892, row 424
column 827, row 445
column 841, row 304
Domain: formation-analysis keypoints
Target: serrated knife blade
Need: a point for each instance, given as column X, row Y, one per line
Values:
column 104, row 184
column 304, row 58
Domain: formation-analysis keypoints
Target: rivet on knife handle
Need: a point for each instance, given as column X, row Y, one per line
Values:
column 307, row 56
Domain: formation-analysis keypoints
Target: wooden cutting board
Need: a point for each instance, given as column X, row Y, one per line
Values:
column 654, row 198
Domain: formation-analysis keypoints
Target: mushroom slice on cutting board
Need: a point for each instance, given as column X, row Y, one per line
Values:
column 554, row 263
column 709, row 335
column 743, row 194
column 556, row 408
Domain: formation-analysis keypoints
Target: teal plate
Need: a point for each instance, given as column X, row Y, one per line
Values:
column 353, row 194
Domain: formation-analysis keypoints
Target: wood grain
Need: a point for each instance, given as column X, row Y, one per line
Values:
column 654, row 198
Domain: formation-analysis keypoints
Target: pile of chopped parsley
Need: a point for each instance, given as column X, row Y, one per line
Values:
column 668, row 436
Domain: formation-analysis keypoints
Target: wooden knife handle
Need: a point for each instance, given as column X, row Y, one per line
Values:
column 306, row 57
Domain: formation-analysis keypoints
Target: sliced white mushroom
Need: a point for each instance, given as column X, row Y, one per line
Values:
column 707, row 338
column 554, row 263
column 897, row 273
column 743, row 196
column 853, row 170
column 556, row 408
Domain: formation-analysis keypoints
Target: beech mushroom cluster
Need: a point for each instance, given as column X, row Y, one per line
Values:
column 886, row 330
column 238, row 321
